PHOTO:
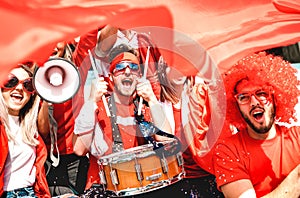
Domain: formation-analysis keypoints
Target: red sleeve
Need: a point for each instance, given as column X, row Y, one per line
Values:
column 80, row 55
column 229, row 163
column 196, row 128
column 82, row 61
column 41, row 186
column 3, row 156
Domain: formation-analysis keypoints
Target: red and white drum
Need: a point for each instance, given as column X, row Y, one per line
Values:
column 140, row 169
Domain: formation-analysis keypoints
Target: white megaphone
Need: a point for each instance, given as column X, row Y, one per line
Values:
column 57, row 80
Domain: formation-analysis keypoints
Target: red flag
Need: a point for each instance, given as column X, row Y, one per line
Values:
column 30, row 30
column 228, row 30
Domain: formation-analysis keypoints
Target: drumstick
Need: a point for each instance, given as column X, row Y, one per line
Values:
column 144, row 77
column 97, row 77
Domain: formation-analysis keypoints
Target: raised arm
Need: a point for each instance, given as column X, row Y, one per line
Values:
column 158, row 115
column 106, row 40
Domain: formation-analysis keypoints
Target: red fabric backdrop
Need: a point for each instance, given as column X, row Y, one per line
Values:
column 228, row 29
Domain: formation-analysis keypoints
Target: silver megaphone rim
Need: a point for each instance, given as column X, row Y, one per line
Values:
column 57, row 93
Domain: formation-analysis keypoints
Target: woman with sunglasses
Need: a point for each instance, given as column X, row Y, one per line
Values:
column 262, row 159
column 23, row 152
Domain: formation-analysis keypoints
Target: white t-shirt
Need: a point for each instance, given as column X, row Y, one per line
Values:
column 19, row 170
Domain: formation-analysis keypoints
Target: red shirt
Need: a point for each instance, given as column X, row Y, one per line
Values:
column 265, row 162
column 63, row 114
column 191, row 168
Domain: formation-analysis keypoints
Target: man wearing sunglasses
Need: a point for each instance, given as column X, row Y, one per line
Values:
column 125, row 73
column 262, row 159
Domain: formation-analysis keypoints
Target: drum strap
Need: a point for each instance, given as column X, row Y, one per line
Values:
column 117, row 138
column 148, row 129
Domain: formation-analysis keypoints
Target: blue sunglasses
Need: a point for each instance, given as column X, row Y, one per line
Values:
column 123, row 65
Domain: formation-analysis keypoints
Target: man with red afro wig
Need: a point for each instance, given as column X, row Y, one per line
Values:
column 262, row 159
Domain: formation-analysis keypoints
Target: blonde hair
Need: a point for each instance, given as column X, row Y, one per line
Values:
column 28, row 120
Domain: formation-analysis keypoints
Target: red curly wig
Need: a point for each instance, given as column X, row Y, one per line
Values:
column 265, row 69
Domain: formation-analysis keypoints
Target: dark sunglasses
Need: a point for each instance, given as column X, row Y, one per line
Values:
column 13, row 81
column 123, row 65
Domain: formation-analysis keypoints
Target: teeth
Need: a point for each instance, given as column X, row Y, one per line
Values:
column 127, row 81
column 258, row 112
column 16, row 95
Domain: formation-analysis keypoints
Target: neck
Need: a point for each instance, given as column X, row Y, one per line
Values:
column 262, row 136
column 121, row 99
column 13, row 112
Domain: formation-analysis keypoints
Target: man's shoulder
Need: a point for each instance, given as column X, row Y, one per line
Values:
column 233, row 140
column 293, row 130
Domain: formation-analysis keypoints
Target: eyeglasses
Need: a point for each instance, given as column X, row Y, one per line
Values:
column 13, row 81
column 123, row 65
column 120, row 68
column 261, row 94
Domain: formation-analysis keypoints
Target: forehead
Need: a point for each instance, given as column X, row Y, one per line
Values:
column 19, row 73
column 130, row 58
column 246, row 85
column 126, row 56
